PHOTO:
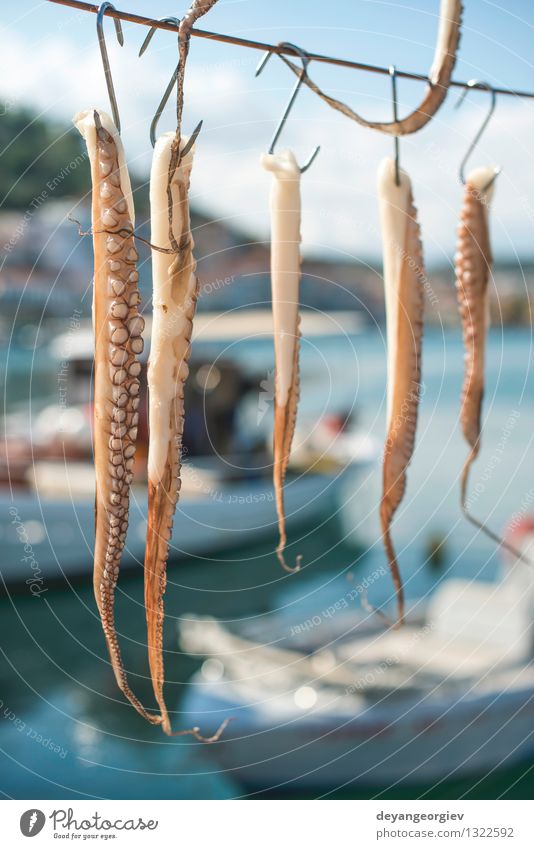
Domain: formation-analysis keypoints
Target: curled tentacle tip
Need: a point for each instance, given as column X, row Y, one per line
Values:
column 375, row 611
column 500, row 541
column 218, row 734
column 195, row 732
column 284, row 565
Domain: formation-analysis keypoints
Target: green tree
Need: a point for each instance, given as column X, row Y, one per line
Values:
column 36, row 153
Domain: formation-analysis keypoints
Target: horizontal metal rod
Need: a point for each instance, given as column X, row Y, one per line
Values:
column 275, row 48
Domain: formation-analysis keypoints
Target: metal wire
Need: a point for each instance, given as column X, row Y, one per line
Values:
column 284, row 48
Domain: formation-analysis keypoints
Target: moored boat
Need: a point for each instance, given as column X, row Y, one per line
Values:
column 451, row 694
column 227, row 499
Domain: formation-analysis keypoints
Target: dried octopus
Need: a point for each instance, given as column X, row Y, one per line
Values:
column 404, row 277
column 118, row 343
column 285, row 285
column 117, row 328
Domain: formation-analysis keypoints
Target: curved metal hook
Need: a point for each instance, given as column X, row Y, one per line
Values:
column 305, row 62
column 478, row 84
column 105, row 58
column 164, row 100
column 168, row 20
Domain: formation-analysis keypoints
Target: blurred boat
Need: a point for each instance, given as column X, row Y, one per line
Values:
column 53, row 532
column 451, row 694
column 227, row 500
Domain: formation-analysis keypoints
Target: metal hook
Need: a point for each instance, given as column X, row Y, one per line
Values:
column 479, row 84
column 152, row 30
column 105, row 58
column 305, row 62
column 393, row 76
column 168, row 91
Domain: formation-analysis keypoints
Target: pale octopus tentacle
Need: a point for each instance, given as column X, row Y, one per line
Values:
column 404, row 278
column 285, row 287
column 174, row 300
column 117, row 329
column 175, row 292
column 450, row 20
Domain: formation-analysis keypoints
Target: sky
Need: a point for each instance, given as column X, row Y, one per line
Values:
column 52, row 62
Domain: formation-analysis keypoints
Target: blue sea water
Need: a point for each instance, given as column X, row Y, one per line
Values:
column 66, row 733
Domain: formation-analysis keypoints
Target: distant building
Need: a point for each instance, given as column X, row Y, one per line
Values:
column 46, row 265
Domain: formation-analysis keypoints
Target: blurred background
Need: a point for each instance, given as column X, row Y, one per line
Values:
column 324, row 704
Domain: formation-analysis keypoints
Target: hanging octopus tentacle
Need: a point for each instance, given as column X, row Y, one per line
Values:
column 285, row 288
column 174, row 301
column 285, row 419
column 473, row 265
column 175, row 292
column 118, row 343
column 473, row 269
column 404, row 278
column 450, row 21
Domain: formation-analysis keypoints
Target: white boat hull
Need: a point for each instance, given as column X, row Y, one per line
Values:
column 451, row 694
column 52, row 537
column 378, row 748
